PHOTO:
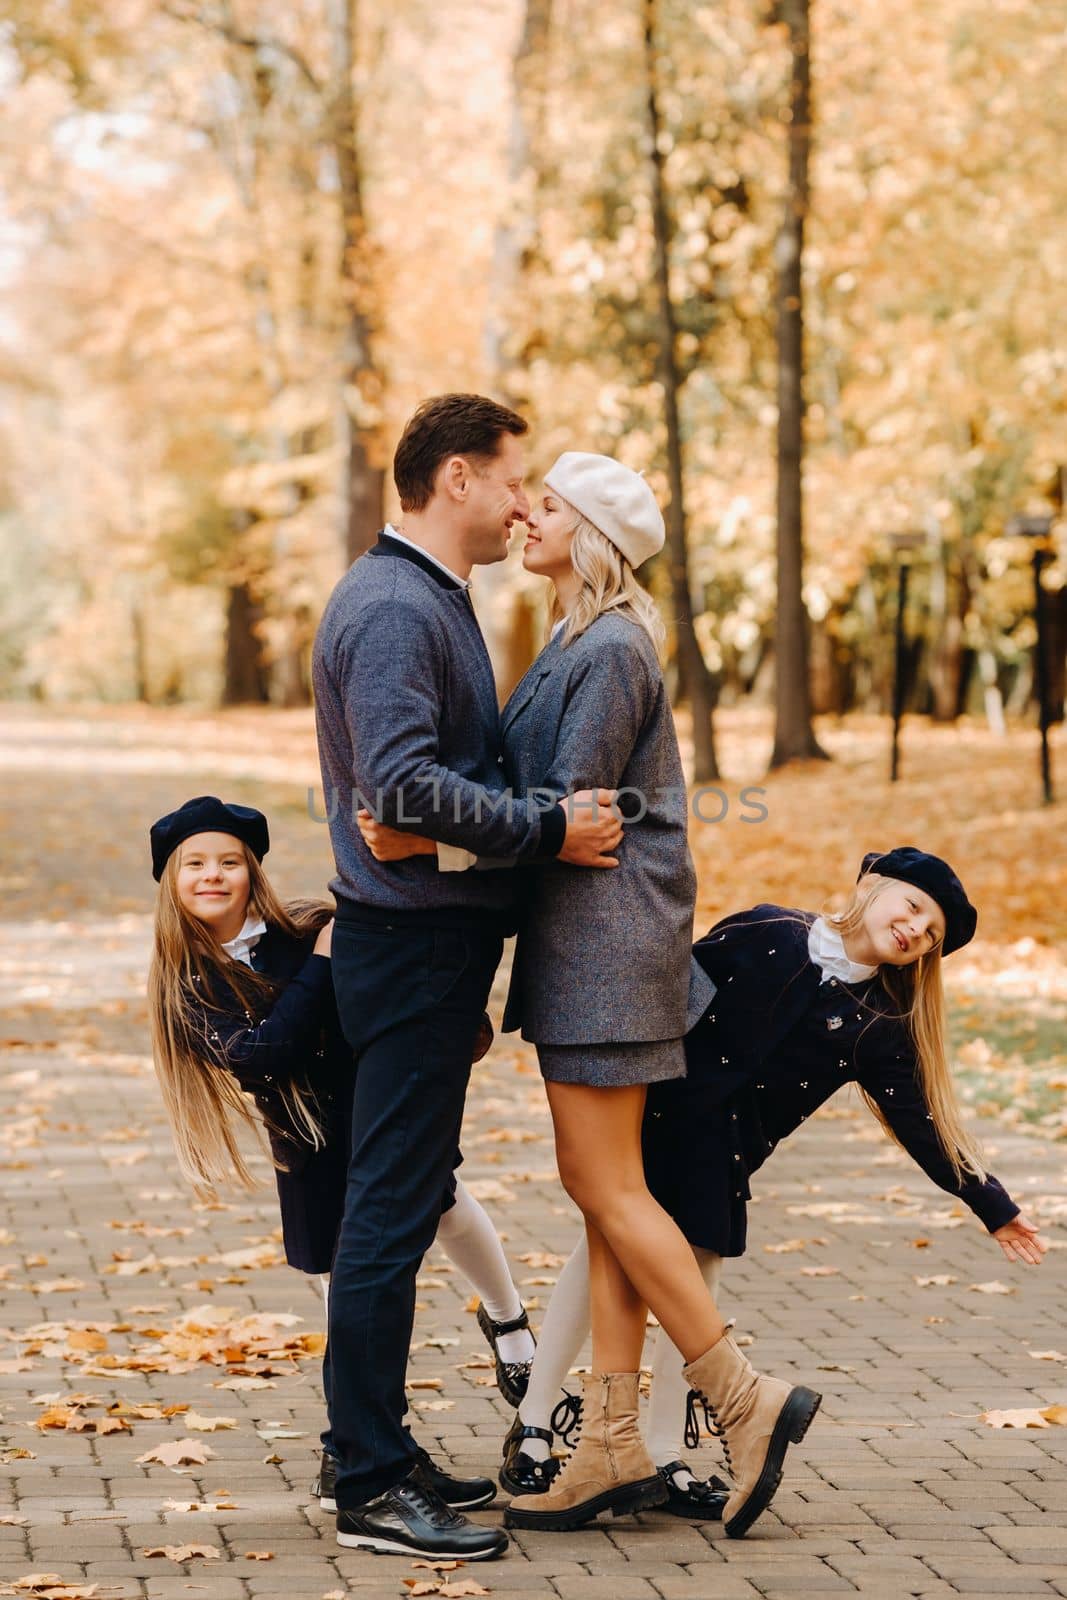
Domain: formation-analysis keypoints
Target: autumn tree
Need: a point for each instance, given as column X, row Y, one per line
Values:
column 695, row 680
column 794, row 735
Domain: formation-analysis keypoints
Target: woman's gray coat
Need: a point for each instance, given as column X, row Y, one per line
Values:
column 604, row 954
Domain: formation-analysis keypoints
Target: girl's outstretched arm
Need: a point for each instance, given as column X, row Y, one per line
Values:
column 893, row 1085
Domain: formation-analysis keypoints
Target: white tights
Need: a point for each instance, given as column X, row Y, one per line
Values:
column 468, row 1238
column 564, row 1331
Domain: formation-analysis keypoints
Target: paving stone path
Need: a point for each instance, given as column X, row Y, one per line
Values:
column 107, row 1264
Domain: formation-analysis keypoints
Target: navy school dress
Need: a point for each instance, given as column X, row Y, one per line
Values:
column 300, row 1038
column 774, row 1044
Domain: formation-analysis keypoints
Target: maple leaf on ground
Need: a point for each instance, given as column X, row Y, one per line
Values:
column 464, row 1586
column 1027, row 1417
column 940, row 1280
column 1047, row 1355
column 245, row 1383
column 179, row 1453
column 994, row 1286
column 201, row 1424
column 259, row 1555
column 184, row 1552
column 820, row 1272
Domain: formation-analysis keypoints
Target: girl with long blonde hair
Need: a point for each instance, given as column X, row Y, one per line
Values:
column 245, row 1034
column 804, row 1004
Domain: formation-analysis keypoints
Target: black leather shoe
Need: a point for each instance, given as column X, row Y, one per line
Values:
column 460, row 1494
column 409, row 1519
column 703, row 1501
column 523, row 1474
column 324, row 1485
column 512, row 1377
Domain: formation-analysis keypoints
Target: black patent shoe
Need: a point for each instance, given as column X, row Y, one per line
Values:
column 459, row 1494
column 512, row 1377
column 411, row 1520
column 703, row 1501
column 523, row 1474
column 324, row 1487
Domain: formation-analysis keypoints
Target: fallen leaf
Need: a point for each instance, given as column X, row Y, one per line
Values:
column 201, row 1424
column 106, row 1425
column 994, row 1286
column 13, row 1522
column 820, row 1272
column 259, row 1555
column 179, row 1453
column 184, row 1552
column 425, row 1383
column 465, row 1586
column 418, row 1586
column 1047, row 1355
column 245, row 1383
column 1026, row 1417
column 437, row 1566
column 940, row 1280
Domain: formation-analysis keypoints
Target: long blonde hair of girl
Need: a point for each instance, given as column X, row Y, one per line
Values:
column 920, row 998
column 609, row 584
column 205, row 1104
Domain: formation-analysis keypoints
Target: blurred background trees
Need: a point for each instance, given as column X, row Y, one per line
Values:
column 240, row 242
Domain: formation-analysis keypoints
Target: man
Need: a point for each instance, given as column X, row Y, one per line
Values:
column 408, row 725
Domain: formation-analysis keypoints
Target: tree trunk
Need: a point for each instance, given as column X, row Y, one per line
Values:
column 695, row 680
column 794, row 735
column 507, row 614
column 363, row 494
column 244, row 679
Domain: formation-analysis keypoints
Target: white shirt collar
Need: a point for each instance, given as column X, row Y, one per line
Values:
column 827, row 950
column 464, row 583
column 240, row 947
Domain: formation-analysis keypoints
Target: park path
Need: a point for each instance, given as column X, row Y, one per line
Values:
column 118, row 1290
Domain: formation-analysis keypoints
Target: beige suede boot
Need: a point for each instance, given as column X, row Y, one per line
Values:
column 757, row 1419
column 610, row 1470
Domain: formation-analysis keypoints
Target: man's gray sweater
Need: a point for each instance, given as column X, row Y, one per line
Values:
column 408, row 726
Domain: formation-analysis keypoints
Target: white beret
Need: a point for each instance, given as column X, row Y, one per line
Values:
column 613, row 498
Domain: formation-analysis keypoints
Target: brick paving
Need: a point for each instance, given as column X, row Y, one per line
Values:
column 898, row 1490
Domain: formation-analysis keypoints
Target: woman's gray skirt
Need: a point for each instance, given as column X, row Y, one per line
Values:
column 613, row 1066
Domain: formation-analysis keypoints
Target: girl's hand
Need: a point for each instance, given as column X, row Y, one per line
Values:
column 389, row 844
column 323, row 940
column 1020, row 1240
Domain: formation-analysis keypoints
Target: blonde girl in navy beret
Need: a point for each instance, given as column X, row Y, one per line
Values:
column 803, row 1005
column 246, row 1037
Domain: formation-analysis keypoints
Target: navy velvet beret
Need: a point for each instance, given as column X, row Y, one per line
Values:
column 909, row 865
column 206, row 814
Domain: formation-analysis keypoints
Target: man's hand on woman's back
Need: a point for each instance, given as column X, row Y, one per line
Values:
column 594, row 828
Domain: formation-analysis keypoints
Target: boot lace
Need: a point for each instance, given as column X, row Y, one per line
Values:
column 711, row 1421
column 567, row 1419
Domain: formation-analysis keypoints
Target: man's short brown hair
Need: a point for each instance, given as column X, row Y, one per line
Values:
column 448, row 425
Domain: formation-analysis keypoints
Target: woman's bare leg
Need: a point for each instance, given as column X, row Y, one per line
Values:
column 617, row 1313
column 598, row 1149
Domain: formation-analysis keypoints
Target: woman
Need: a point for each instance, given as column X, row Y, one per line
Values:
column 245, row 1034
column 601, row 985
column 804, row 1004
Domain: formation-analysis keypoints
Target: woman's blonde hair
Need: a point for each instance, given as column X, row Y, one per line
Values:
column 919, row 995
column 609, row 584
column 189, row 970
